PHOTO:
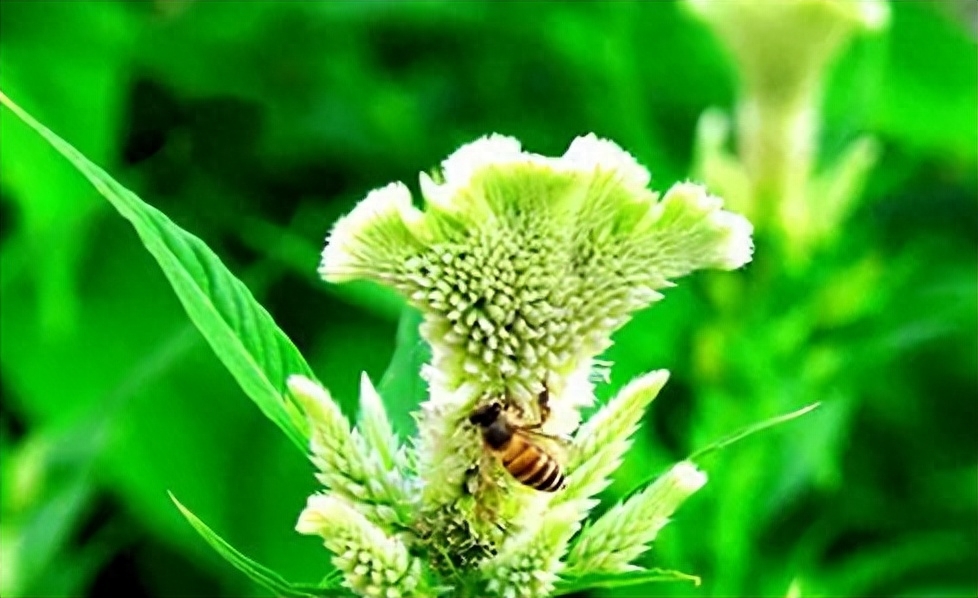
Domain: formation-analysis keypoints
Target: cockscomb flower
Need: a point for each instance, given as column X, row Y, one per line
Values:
column 522, row 267
column 781, row 52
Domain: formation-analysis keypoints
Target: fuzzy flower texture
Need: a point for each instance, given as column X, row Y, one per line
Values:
column 523, row 266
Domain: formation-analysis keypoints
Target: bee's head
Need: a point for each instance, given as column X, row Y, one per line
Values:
column 485, row 415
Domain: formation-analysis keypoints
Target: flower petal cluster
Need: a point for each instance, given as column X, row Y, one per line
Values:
column 522, row 267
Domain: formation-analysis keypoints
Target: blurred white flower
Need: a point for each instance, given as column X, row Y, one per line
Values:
column 782, row 51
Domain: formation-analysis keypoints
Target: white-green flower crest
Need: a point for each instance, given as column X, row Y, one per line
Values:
column 522, row 267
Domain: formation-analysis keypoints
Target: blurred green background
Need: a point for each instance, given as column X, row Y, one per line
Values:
column 254, row 125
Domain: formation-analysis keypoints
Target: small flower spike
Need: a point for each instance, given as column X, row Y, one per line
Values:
column 373, row 563
column 623, row 533
column 362, row 468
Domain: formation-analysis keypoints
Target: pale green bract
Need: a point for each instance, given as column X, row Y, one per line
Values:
column 361, row 466
column 522, row 267
column 374, row 563
column 623, row 533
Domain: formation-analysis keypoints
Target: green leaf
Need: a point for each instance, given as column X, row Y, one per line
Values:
column 750, row 430
column 47, row 493
column 56, row 209
column 920, row 107
column 239, row 330
column 727, row 441
column 257, row 572
column 402, row 388
column 293, row 251
column 620, row 580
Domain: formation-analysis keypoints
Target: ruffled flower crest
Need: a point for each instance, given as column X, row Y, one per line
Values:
column 522, row 267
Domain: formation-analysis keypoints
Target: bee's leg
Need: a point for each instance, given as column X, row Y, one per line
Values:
column 543, row 401
column 534, row 427
column 516, row 409
column 470, row 483
column 486, row 500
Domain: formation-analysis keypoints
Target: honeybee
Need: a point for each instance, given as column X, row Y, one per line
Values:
column 515, row 448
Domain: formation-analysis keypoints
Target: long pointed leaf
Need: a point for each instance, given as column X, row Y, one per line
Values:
column 620, row 580
column 751, row 430
column 241, row 332
column 402, row 388
column 727, row 441
column 255, row 571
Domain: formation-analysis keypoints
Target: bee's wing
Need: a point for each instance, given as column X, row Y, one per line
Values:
column 556, row 446
column 537, row 433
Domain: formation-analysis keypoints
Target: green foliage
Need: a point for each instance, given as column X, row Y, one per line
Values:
column 256, row 125
column 260, row 574
column 574, row 584
column 239, row 330
column 401, row 388
column 749, row 431
column 46, row 494
column 362, row 469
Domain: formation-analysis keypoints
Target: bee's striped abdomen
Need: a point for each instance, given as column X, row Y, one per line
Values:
column 530, row 465
column 548, row 479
